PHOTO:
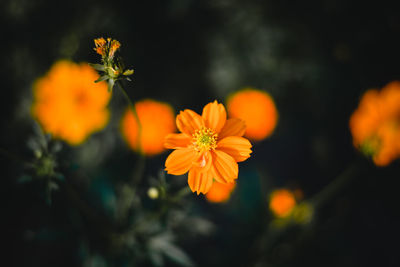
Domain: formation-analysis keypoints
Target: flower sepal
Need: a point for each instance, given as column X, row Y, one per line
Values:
column 102, row 78
column 98, row 67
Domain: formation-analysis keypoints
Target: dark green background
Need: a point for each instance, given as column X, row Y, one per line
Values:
column 315, row 58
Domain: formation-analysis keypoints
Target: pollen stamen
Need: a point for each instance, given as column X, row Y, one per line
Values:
column 204, row 140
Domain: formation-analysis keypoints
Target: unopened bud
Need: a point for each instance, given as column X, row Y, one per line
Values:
column 153, row 193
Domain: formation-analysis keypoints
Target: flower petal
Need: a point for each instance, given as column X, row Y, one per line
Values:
column 175, row 141
column 203, row 163
column 189, row 121
column 199, row 182
column 233, row 127
column 214, row 116
column 180, row 161
column 236, row 147
column 224, row 167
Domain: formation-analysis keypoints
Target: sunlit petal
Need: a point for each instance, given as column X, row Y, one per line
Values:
column 233, row 127
column 180, row 161
column 214, row 116
column 203, row 162
column 225, row 169
column 189, row 121
column 235, row 146
column 175, row 141
column 199, row 182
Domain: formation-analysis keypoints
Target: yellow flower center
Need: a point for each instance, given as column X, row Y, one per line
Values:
column 204, row 139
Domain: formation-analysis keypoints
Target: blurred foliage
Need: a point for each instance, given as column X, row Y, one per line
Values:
column 90, row 206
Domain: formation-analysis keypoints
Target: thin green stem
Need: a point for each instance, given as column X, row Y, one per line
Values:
column 348, row 176
column 135, row 114
column 141, row 162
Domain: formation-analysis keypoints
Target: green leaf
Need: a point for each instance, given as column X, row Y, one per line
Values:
column 128, row 72
column 102, row 78
column 98, row 67
column 163, row 243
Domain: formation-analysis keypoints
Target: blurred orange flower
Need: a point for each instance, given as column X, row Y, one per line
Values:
column 375, row 125
column 257, row 109
column 282, row 202
column 209, row 147
column 220, row 192
column 157, row 120
column 68, row 104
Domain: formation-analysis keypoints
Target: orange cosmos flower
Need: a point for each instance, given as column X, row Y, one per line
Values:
column 375, row 125
column 157, row 120
column 107, row 48
column 209, row 147
column 282, row 202
column 68, row 104
column 220, row 192
column 257, row 109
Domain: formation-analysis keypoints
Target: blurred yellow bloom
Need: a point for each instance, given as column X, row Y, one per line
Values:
column 157, row 120
column 257, row 109
column 375, row 125
column 68, row 104
column 303, row 213
column 220, row 192
column 282, row 202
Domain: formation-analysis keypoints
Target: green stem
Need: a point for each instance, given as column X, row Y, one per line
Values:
column 141, row 162
column 135, row 114
column 182, row 193
column 348, row 176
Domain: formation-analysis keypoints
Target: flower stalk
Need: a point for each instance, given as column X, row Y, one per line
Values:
column 113, row 71
column 135, row 114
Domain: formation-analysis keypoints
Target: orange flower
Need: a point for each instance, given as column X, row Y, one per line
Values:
column 157, row 120
column 282, row 202
column 220, row 192
column 209, row 147
column 68, row 104
column 257, row 109
column 106, row 48
column 100, row 48
column 375, row 125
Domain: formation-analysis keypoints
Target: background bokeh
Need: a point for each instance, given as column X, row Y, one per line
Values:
column 315, row 58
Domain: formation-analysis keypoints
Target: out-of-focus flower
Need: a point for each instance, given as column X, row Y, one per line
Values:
column 303, row 213
column 153, row 193
column 282, row 202
column 209, row 147
column 68, row 104
column 257, row 109
column 157, row 120
column 220, row 192
column 375, row 125
column 112, row 68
